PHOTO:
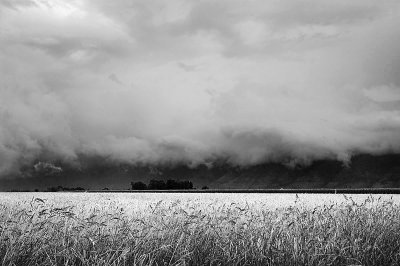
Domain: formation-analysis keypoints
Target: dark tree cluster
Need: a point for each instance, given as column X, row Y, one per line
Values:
column 162, row 185
column 138, row 186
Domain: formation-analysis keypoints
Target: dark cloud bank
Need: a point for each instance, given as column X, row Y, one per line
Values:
column 222, row 90
column 97, row 173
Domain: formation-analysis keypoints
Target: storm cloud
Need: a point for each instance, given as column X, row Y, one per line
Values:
column 194, row 81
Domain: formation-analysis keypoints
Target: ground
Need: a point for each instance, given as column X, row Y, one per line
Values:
column 198, row 229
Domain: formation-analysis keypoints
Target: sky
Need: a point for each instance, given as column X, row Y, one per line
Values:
column 196, row 81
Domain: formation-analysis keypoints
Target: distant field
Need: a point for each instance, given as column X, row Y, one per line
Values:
column 198, row 229
column 268, row 191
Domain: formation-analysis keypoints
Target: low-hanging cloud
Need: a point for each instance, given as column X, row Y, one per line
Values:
column 193, row 82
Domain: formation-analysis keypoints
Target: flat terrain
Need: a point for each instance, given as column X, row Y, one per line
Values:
column 195, row 229
column 131, row 202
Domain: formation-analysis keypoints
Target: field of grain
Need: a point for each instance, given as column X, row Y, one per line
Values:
column 198, row 229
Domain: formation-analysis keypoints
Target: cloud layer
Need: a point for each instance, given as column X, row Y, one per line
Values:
column 195, row 81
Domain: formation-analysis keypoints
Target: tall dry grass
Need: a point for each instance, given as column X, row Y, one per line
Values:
column 181, row 232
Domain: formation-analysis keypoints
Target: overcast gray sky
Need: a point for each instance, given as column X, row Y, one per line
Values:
column 192, row 81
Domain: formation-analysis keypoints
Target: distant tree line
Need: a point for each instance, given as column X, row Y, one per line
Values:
column 61, row 188
column 19, row 190
column 162, row 185
column 50, row 189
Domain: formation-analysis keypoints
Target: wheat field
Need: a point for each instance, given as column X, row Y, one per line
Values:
column 198, row 229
